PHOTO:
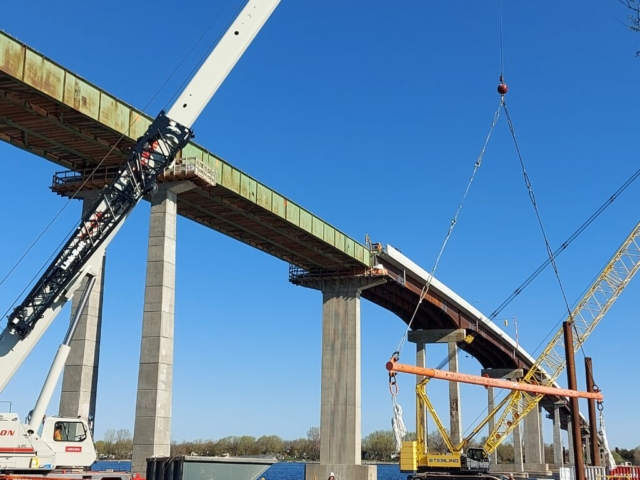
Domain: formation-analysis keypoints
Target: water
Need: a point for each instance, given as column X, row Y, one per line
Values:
column 295, row 471
column 278, row 471
column 115, row 465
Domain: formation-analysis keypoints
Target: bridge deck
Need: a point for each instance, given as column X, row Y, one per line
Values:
column 49, row 111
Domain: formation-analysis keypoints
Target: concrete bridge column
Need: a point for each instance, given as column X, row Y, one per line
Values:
column 570, row 442
column 455, row 415
column 340, row 410
column 517, row 448
column 152, row 429
column 491, row 404
column 421, row 415
column 80, row 378
column 451, row 338
column 533, row 451
column 511, row 374
column 557, row 436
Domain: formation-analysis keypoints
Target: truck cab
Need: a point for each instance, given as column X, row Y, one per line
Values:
column 23, row 450
column 70, row 440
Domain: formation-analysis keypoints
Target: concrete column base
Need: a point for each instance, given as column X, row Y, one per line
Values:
column 341, row 472
column 537, row 469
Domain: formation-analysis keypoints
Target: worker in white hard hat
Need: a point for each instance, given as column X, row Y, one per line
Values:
column 332, row 476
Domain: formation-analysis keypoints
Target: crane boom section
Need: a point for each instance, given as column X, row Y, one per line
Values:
column 590, row 310
column 152, row 154
column 217, row 66
column 136, row 177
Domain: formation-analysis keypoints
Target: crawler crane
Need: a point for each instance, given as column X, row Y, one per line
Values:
column 525, row 394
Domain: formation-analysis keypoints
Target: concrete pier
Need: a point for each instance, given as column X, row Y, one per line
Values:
column 152, row 430
column 340, row 404
column 517, row 448
column 451, row 338
column 491, row 404
column 571, row 461
column 80, row 378
column 533, row 441
column 511, row 374
column 557, row 436
column 421, row 416
column 455, row 414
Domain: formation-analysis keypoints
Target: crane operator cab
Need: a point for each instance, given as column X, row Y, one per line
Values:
column 476, row 460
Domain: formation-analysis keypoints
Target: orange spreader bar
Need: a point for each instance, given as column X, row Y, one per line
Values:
column 393, row 366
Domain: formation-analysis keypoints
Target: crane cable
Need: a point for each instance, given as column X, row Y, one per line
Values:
column 565, row 244
column 532, row 197
column 393, row 386
column 502, row 89
column 454, row 221
column 550, row 254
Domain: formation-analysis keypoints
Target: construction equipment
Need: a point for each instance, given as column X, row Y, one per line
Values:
column 456, row 464
column 414, row 456
column 585, row 317
column 43, row 446
column 537, row 382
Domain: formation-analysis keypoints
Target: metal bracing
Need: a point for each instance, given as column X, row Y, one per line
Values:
column 151, row 155
column 585, row 317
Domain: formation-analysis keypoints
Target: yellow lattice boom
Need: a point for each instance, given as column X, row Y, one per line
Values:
column 585, row 317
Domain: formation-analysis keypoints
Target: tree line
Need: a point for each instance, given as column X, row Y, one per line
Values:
column 378, row 446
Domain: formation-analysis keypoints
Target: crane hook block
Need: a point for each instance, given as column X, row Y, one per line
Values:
column 503, row 88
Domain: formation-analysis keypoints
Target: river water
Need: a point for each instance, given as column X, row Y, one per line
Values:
column 278, row 471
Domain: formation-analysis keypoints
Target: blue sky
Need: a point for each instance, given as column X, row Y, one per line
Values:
column 371, row 115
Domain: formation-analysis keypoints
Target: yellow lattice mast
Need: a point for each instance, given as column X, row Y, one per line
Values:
column 593, row 306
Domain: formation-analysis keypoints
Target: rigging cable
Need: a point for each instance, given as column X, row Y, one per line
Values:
column 565, row 244
column 501, row 44
column 452, row 225
column 532, row 197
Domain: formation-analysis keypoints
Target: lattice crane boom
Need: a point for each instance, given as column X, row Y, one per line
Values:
column 585, row 317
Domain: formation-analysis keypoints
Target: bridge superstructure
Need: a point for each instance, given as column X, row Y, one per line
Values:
column 51, row 112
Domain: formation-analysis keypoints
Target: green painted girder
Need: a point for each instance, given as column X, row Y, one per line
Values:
column 50, row 111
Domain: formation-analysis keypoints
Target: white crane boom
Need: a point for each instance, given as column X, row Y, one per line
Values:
column 153, row 152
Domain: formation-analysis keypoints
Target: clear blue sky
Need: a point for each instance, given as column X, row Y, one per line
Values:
column 371, row 115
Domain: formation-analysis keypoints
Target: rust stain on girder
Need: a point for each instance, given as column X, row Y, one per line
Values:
column 56, row 114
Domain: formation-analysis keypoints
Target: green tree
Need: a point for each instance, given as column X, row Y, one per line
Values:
column 633, row 16
column 617, row 457
column 225, row 446
column 435, row 443
column 109, row 443
column 548, row 453
column 245, row 445
column 123, row 444
column 625, row 455
column 379, row 445
column 313, row 436
column 505, row 453
column 269, row 444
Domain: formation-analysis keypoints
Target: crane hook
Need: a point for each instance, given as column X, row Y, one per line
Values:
column 503, row 87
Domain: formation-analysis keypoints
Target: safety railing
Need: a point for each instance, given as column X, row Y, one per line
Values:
column 190, row 168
